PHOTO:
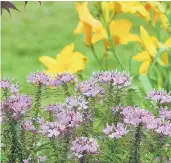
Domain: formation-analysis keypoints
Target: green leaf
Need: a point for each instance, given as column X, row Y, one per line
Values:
column 146, row 83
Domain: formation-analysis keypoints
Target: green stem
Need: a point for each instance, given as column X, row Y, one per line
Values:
column 66, row 89
column 23, row 142
column 159, row 53
column 109, row 101
column 5, row 129
column 88, row 126
column 38, row 100
column 36, row 108
column 5, row 94
column 55, row 150
column 135, row 150
column 160, row 143
column 65, row 148
column 117, row 102
column 80, row 76
column 112, row 47
column 15, row 150
column 95, row 56
column 82, row 159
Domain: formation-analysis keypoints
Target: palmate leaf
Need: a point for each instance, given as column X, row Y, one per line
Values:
column 6, row 5
column 25, row 3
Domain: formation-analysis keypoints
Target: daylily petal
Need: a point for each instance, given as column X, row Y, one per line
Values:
column 96, row 37
column 130, row 37
column 135, row 8
column 52, row 65
column 155, row 41
column 160, row 7
column 126, row 6
column 155, row 10
column 168, row 43
column 106, row 43
column 78, row 62
column 148, row 6
column 155, row 17
column 105, row 10
column 120, row 27
column 55, row 70
column 147, row 42
column 66, row 52
column 144, row 67
column 164, row 59
column 49, row 62
column 85, row 15
column 164, row 20
column 79, row 28
column 87, row 32
column 142, row 56
column 66, row 61
column 117, row 40
column 142, row 12
column 87, row 22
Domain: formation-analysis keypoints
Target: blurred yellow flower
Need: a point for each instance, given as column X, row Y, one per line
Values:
column 130, row 7
column 120, row 32
column 142, row 9
column 157, row 13
column 66, row 61
column 106, row 11
column 87, row 22
column 151, row 46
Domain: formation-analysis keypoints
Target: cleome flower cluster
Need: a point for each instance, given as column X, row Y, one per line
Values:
column 17, row 105
column 5, row 84
column 70, row 125
column 83, row 145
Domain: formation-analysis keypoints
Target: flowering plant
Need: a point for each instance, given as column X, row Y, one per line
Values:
column 76, row 128
column 113, row 115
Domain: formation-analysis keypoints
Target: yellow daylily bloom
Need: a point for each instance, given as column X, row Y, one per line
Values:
column 151, row 46
column 130, row 7
column 157, row 13
column 147, row 42
column 87, row 22
column 167, row 44
column 145, row 58
column 120, row 32
column 142, row 9
column 66, row 61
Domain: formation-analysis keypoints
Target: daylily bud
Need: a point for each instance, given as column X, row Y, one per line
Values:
column 105, row 11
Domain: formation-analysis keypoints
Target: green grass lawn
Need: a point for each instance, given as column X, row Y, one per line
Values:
column 37, row 30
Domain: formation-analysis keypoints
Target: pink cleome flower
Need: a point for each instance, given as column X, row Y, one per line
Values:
column 84, row 145
column 116, row 131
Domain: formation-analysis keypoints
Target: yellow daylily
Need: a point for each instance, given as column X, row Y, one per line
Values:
column 87, row 22
column 157, row 13
column 66, row 61
column 130, row 7
column 151, row 46
column 120, row 32
column 106, row 11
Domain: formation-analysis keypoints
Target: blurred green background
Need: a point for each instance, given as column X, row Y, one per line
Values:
column 37, row 30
